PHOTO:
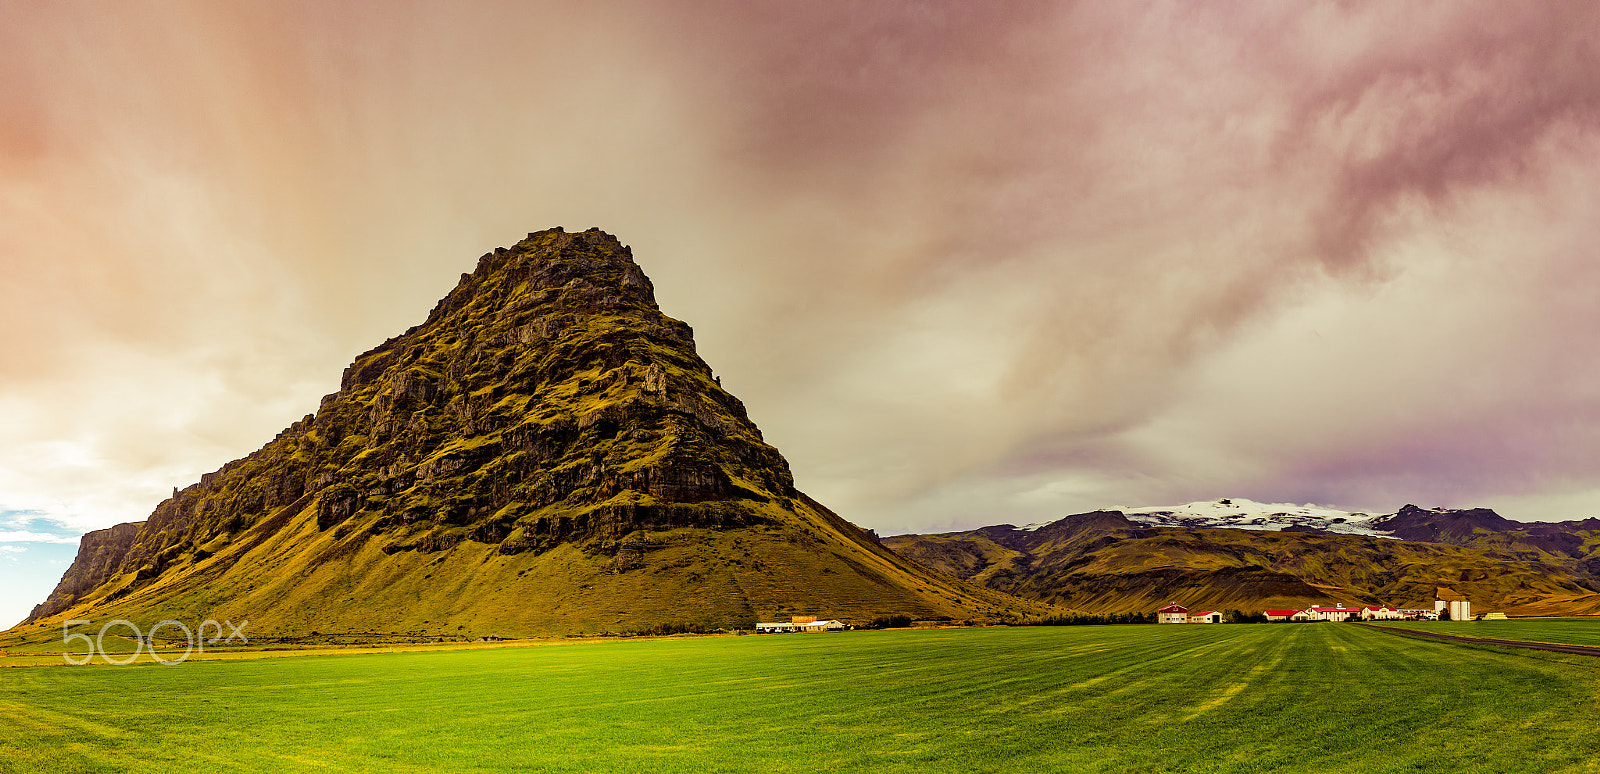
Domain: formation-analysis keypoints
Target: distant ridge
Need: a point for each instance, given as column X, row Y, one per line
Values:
column 1250, row 556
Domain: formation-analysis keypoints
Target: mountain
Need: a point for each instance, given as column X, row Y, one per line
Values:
column 545, row 454
column 1442, row 525
column 1238, row 554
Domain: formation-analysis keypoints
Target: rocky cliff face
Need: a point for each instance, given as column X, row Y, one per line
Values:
column 100, row 553
column 545, row 403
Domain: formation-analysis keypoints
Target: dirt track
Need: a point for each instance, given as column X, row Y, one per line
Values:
column 1581, row 650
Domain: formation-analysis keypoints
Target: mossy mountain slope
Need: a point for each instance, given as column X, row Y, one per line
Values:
column 1103, row 562
column 546, row 454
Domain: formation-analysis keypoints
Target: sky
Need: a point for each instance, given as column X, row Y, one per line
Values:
column 965, row 263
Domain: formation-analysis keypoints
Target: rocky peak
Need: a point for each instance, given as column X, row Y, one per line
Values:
column 1441, row 525
column 1094, row 523
column 548, row 382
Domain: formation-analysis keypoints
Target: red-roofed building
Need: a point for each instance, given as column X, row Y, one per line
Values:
column 1384, row 613
column 1173, row 613
column 1279, row 615
column 1209, row 616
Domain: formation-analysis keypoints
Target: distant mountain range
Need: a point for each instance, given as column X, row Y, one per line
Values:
column 1251, row 556
column 546, row 454
column 1247, row 514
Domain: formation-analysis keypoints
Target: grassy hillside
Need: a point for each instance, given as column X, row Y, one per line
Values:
column 1098, row 698
column 1586, row 603
column 714, row 578
column 1101, row 562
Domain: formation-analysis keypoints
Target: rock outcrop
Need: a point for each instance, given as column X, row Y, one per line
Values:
column 100, row 553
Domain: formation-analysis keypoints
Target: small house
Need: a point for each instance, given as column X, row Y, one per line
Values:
column 1209, row 616
column 1279, row 615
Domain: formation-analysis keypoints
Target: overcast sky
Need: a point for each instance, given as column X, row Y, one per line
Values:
column 966, row 263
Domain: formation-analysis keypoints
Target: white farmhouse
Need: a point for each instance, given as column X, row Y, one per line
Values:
column 1381, row 613
column 1173, row 613
column 1335, row 613
column 823, row 626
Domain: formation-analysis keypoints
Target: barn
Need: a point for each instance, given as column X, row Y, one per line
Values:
column 1173, row 613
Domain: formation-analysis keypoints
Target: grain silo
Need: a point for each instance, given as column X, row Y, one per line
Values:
column 1459, row 606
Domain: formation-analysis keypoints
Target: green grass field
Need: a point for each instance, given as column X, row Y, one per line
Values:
column 1569, row 631
column 1090, row 698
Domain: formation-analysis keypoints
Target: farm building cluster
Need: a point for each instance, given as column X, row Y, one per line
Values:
column 800, row 623
column 1176, row 613
column 1446, row 604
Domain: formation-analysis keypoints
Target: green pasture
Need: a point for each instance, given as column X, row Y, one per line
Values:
column 1567, row 631
column 1233, row 698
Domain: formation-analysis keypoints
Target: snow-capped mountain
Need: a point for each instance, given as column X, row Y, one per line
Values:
column 1248, row 514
